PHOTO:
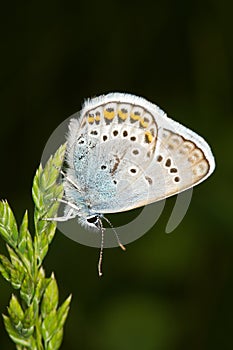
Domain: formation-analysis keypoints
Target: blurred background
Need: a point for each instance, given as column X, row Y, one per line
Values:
column 165, row 292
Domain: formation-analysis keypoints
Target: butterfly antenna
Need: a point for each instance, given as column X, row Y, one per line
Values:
column 101, row 248
column 116, row 235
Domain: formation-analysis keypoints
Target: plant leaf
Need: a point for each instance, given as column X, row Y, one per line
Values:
column 56, row 340
column 8, row 226
column 27, row 289
column 9, row 272
column 25, row 246
column 62, row 312
column 15, row 312
column 50, row 298
column 49, row 326
column 13, row 334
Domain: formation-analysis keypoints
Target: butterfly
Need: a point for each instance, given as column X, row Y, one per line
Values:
column 123, row 152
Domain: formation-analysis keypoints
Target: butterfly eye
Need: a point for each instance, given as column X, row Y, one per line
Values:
column 93, row 221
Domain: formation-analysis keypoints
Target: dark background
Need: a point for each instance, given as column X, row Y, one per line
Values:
column 166, row 292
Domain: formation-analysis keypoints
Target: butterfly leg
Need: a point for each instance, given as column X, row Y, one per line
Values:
column 62, row 218
column 69, row 180
column 70, row 215
column 72, row 205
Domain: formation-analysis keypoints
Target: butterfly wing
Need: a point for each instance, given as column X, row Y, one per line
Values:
column 178, row 164
column 125, row 153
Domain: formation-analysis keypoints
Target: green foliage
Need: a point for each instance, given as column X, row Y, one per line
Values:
column 34, row 320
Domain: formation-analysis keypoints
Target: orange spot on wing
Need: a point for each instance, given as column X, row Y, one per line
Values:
column 109, row 115
column 148, row 137
column 122, row 115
